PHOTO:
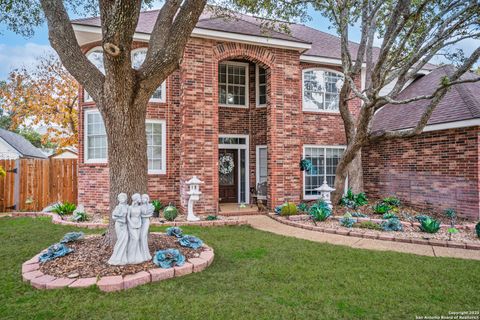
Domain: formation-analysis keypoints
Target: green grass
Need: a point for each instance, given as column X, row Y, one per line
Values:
column 255, row 275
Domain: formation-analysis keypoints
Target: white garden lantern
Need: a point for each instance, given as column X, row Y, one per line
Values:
column 194, row 195
column 325, row 191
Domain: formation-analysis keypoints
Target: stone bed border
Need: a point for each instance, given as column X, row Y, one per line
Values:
column 377, row 235
column 56, row 219
column 31, row 273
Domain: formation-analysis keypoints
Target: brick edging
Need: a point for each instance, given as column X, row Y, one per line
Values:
column 378, row 236
column 56, row 219
column 31, row 273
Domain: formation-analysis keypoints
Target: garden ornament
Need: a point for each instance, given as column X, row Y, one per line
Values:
column 325, row 191
column 194, row 193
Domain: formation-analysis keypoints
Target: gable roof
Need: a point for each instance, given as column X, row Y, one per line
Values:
column 461, row 102
column 22, row 145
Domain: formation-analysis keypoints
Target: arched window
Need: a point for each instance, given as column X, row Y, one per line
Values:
column 95, row 56
column 138, row 56
column 321, row 89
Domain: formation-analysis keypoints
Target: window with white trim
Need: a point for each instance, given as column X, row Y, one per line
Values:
column 95, row 137
column 96, row 57
column 138, row 57
column 261, row 78
column 156, row 146
column 233, row 84
column 321, row 90
column 262, row 167
column 324, row 164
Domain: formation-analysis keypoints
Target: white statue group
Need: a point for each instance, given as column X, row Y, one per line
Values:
column 131, row 227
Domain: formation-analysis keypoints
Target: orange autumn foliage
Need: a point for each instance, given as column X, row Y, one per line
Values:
column 45, row 95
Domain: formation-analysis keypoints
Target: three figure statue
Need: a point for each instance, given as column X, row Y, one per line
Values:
column 131, row 226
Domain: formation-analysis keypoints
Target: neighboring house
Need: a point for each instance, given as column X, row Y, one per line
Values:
column 440, row 168
column 65, row 153
column 259, row 102
column 13, row 146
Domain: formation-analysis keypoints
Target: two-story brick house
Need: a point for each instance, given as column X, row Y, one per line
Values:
column 258, row 102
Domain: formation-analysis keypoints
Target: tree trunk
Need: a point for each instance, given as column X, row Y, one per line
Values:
column 127, row 153
column 355, row 173
column 350, row 155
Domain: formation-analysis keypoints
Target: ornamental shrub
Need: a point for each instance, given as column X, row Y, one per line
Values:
column 170, row 212
column 278, row 209
column 347, row 220
column 63, row 209
column 302, row 207
column 157, row 207
column 477, row 229
column 320, row 211
column 429, row 225
column 452, row 215
column 353, row 201
column 369, row 225
column 211, row 218
column 381, row 208
column 80, row 217
column 392, row 201
column 392, row 224
column 288, row 209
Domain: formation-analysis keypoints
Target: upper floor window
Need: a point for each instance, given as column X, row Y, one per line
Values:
column 156, row 146
column 138, row 56
column 261, row 77
column 321, row 90
column 233, row 84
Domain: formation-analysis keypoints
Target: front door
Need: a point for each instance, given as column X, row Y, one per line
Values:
column 228, row 175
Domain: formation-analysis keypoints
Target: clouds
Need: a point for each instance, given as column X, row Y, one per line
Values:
column 16, row 56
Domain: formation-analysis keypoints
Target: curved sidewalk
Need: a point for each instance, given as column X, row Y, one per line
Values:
column 262, row 222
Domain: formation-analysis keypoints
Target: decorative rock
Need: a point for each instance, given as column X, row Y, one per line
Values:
column 198, row 264
column 109, row 284
column 137, row 279
column 183, row 270
column 41, row 282
column 73, row 275
column 83, row 283
column 59, row 283
column 161, row 274
column 30, row 267
column 29, row 276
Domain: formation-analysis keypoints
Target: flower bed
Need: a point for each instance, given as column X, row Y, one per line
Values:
column 87, row 265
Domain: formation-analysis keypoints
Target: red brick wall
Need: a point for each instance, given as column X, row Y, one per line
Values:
column 194, row 121
column 434, row 171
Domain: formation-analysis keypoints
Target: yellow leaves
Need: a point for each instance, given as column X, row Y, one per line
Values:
column 45, row 95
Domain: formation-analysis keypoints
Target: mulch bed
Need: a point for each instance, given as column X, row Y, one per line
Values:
column 90, row 256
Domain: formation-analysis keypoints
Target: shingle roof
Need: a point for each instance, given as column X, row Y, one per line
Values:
column 462, row 102
column 21, row 144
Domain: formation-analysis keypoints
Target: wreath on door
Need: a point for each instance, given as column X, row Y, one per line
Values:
column 226, row 164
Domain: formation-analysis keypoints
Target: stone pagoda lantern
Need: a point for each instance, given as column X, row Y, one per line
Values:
column 194, row 195
column 325, row 191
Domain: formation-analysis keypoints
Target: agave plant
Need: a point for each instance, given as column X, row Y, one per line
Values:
column 429, row 225
column 168, row 258
column 452, row 215
column 157, row 207
column 80, row 216
column 320, row 211
column 302, row 207
column 347, row 220
column 175, row 232
column 211, row 218
column 359, row 215
column 353, row 201
column 63, row 209
column 389, row 215
column 392, row 201
column 56, row 250
column 190, row 242
column 72, row 236
column 392, row 224
column 381, row 208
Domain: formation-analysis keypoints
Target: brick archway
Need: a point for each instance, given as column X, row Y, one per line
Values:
column 230, row 50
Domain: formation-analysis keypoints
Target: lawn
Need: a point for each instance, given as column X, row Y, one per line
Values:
column 255, row 275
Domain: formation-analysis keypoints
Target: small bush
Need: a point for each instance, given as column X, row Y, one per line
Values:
column 80, row 217
column 170, row 212
column 157, row 207
column 392, row 225
column 452, row 215
column 392, row 201
column 302, row 207
column 278, row 209
column 353, row 201
column 389, row 215
column 320, row 211
column 429, row 225
column 63, row 209
column 211, row 218
column 381, row 208
column 369, row 225
column 289, row 209
column 347, row 220
column 477, row 229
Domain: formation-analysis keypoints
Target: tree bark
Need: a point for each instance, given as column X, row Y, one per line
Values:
column 355, row 174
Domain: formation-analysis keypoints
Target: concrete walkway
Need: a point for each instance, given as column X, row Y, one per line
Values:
column 264, row 223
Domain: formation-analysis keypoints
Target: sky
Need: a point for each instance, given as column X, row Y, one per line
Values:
column 17, row 51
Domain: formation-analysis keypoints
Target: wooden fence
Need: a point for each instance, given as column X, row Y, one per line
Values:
column 32, row 184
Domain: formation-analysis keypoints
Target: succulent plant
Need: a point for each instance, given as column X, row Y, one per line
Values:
column 80, row 216
column 302, row 207
column 320, row 211
column 72, row 236
column 359, row 215
column 392, row 201
column 381, row 208
column 168, row 258
column 477, row 229
column 190, row 242
column 278, row 209
column 392, row 224
column 63, row 209
column 429, row 225
column 452, row 215
column 389, row 215
column 157, row 207
column 170, row 212
column 175, row 232
column 347, row 220
column 56, row 250
column 289, row 209
column 211, row 218
column 353, row 201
